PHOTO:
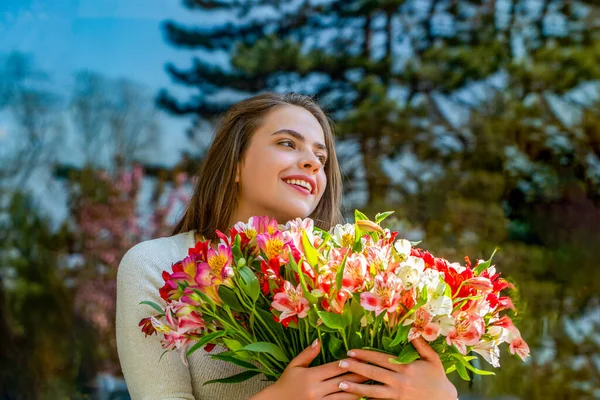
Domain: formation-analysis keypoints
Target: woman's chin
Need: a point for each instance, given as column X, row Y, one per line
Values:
column 293, row 212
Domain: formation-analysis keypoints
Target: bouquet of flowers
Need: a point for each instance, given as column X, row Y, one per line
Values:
column 267, row 291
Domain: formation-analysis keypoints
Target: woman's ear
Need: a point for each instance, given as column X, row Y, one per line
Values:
column 237, row 173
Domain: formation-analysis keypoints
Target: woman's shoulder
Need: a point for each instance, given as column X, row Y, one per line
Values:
column 162, row 251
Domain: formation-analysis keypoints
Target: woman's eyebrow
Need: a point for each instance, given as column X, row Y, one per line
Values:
column 300, row 137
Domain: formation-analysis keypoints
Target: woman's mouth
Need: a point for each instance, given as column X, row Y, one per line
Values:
column 299, row 188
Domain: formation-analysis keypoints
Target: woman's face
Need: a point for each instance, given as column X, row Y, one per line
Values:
column 282, row 173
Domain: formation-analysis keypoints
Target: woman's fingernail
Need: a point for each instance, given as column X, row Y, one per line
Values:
column 351, row 353
column 344, row 364
column 343, row 385
column 315, row 343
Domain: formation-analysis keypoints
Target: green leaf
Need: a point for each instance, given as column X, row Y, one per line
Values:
column 313, row 319
column 484, row 265
column 339, row 276
column 236, row 252
column 451, row 368
column 359, row 216
column 250, row 283
column 205, row 298
column 230, row 357
column 381, row 216
column 407, row 355
column 333, row 320
column 465, row 361
column 230, row 298
column 205, row 340
column 462, row 371
column 334, row 345
column 266, row 347
column 307, row 294
column 357, row 310
column 232, row 344
column 312, row 256
column 401, row 335
column 153, row 305
column 386, row 341
column 237, row 378
column 347, row 316
column 267, row 317
column 326, row 239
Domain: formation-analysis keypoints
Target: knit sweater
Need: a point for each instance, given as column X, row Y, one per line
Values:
column 138, row 279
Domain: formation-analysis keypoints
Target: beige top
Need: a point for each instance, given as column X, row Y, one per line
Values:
column 138, row 279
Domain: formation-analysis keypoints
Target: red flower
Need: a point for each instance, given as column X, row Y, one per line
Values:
column 147, row 326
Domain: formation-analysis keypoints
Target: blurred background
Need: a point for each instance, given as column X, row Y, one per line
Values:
column 477, row 121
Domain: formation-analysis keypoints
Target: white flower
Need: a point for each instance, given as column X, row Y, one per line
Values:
column 437, row 302
column 343, row 235
column 446, row 323
column 457, row 267
column 489, row 351
column 403, row 247
column 410, row 271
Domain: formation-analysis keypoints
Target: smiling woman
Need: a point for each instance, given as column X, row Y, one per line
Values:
column 267, row 150
column 271, row 155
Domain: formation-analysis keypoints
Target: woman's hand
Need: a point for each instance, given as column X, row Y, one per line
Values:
column 422, row 379
column 298, row 381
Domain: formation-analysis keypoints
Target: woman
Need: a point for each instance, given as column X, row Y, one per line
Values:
column 272, row 155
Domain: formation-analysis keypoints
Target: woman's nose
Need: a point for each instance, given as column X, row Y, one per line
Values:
column 311, row 162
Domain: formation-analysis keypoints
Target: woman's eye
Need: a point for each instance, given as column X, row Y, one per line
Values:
column 322, row 158
column 287, row 143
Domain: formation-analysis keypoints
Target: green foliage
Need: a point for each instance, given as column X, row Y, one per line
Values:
column 47, row 349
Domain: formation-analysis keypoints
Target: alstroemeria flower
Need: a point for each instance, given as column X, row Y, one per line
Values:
column 410, row 271
column 147, row 326
column 290, row 302
column 343, row 235
column 422, row 326
column 403, row 247
column 519, row 347
column 355, row 273
column 369, row 226
column 385, row 294
column 217, row 268
column 467, row 331
column 275, row 246
column 489, row 350
column 480, row 283
column 378, row 257
column 437, row 301
column 294, row 232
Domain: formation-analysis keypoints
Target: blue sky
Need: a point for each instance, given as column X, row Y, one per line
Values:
column 116, row 38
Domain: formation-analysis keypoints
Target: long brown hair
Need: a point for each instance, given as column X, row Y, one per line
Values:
column 215, row 195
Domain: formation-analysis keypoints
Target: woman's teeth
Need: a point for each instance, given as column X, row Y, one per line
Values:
column 304, row 184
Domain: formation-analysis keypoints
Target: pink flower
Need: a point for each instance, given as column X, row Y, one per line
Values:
column 296, row 227
column 422, row 326
column 290, row 302
column 275, row 246
column 467, row 331
column 379, row 255
column 217, row 268
column 191, row 322
column 385, row 294
column 355, row 273
column 480, row 283
column 519, row 347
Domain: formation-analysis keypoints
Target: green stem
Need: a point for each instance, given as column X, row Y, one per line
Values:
column 343, row 334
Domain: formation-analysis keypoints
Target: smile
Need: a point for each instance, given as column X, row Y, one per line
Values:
column 300, row 186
